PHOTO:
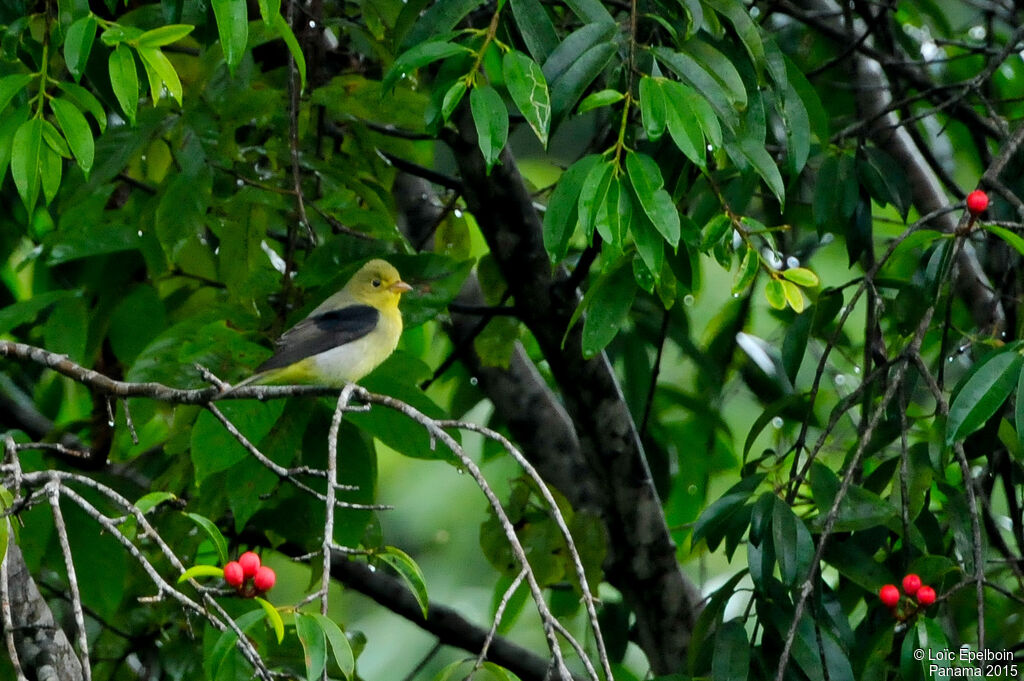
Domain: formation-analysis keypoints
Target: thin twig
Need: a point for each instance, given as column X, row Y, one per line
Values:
column 53, row 496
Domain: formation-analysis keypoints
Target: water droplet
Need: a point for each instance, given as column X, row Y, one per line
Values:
column 692, row 489
column 140, row 233
column 856, row 370
column 688, row 299
column 111, row 422
column 457, row 212
column 735, row 295
column 792, row 262
column 473, row 380
column 840, row 379
column 312, row 24
column 239, row 182
column 777, row 422
column 950, row 359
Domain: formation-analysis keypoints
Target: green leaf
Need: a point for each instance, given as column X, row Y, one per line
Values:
column 749, row 267
column 690, row 70
column 649, row 244
column 775, row 294
column 715, row 520
column 1018, row 414
column 161, row 73
column 794, row 547
column 200, row 571
column 608, row 308
column 213, row 533
column 598, row 99
column 410, row 572
column 613, row 215
column 78, row 44
column 232, row 18
column 860, row 509
column 420, row 55
column 653, row 108
column 794, row 296
column 165, row 35
column 148, row 502
column 591, row 11
column 314, row 645
column 283, row 30
column 273, row 616
column 339, row 644
column 570, row 50
column 715, row 230
column 648, row 183
column 491, row 119
column 124, row 79
column 214, row 449
column 747, row 31
column 26, row 152
column 691, row 121
column 441, row 17
column 76, row 131
column 983, row 391
column 593, row 194
column 567, row 88
column 1011, row 238
column 536, row 28
column 453, row 97
column 85, row 101
column 801, row 276
column 731, row 658
column 885, row 179
column 269, row 11
column 764, row 165
column 562, row 213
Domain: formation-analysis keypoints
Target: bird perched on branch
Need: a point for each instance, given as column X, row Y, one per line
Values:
column 346, row 337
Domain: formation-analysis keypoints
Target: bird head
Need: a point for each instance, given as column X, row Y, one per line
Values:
column 377, row 283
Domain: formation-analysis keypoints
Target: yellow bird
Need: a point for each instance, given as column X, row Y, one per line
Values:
column 346, row 337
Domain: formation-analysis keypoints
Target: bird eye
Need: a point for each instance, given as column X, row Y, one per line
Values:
column 376, row 283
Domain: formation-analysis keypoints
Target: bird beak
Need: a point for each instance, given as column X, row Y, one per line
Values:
column 400, row 287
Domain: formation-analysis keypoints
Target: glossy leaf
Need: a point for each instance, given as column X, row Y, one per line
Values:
column 536, row 28
column 281, row 28
column 453, row 97
column 794, row 547
column 764, row 165
column 691, row 122
column 593, row 195
column 983, row 391
column 748, row 32
column 645, row 177
column 76, row 131
column 200, row 571
column 607, row 309
column 269, row 11
column 161, row 74
column 572, row 48
column 801, row 276
column 164, row 35
column 441, row 17
column 731, row 658
column 720, row 68
column 562, row 213
column 794, row 296
column 314, row 644
column 124, row 79
column 410, row 573
column 273, row 617
column 78, row 43
column 26, row 152
column 749, row 267
column 233, row 28
column 776, row 294
column 338, row 642
column 567, row 88
column 85, row 101
column 420, row 55
column 652, row 108
column 491, row 119
column 600, row 99
column 212, row 533
column 529, row 90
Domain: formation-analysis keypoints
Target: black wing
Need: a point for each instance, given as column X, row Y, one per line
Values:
column 314, row 335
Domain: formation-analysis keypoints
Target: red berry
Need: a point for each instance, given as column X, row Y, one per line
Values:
column 911, row 583
column 250, row 563
column 926, row 595
column 977, row 202
column 233, row 574
column 264, row 579
column 889, row 595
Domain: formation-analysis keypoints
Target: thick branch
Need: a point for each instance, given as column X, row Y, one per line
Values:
column 642, row 561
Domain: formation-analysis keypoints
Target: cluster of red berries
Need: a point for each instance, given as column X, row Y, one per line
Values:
column 912, row 586
column 977, row 202
column 247, row 575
